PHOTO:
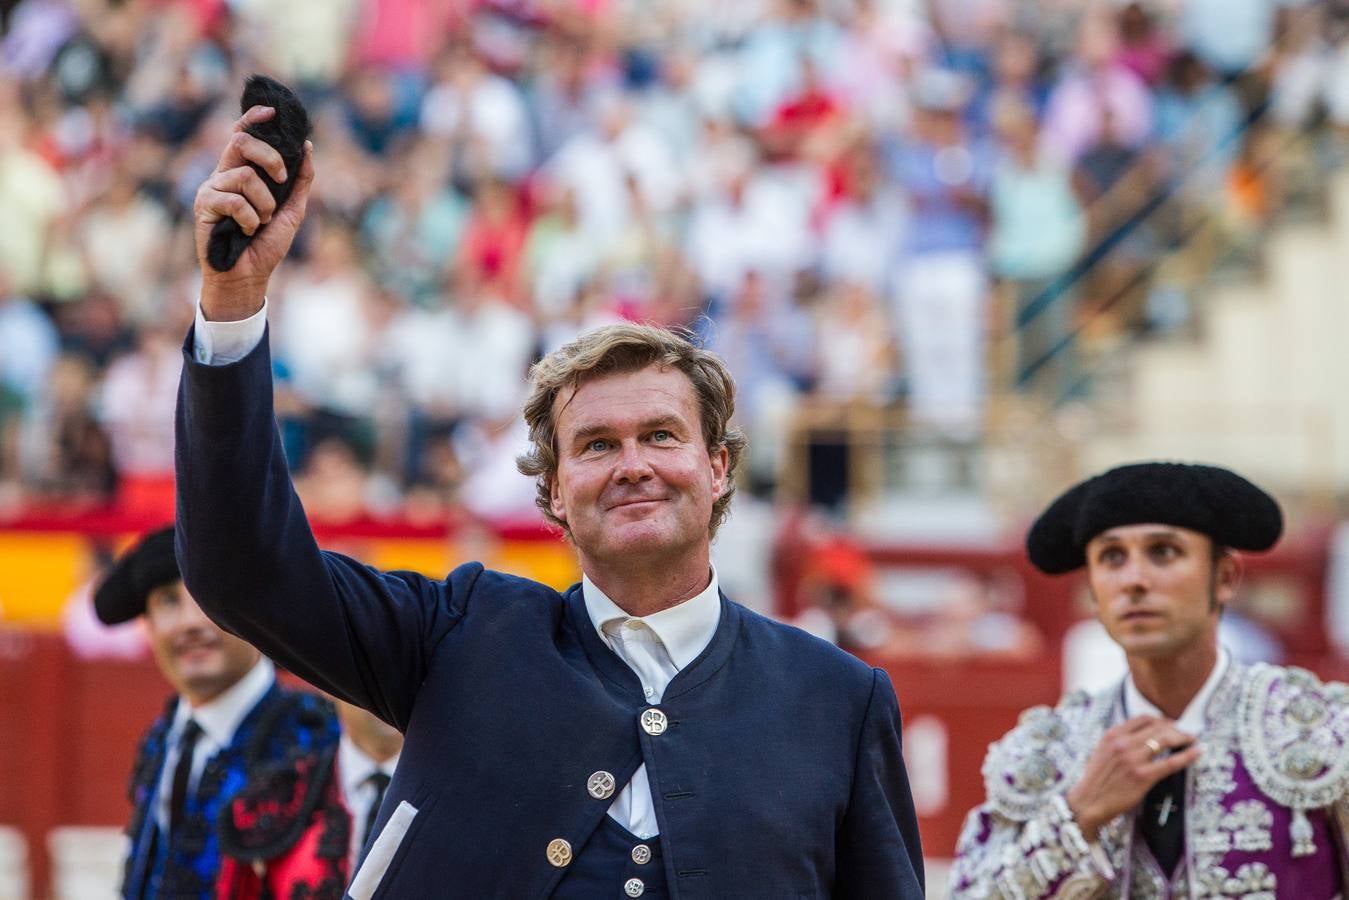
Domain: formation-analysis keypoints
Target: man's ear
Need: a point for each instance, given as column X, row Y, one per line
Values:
column 555, row 500
column 720, row 458
column 1228, row 571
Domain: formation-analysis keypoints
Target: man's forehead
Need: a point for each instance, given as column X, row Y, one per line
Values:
column 646, row 394
column 170, row 592
column 1146, row 531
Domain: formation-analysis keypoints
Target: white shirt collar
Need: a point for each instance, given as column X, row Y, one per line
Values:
column 685, row 629
column 1192, row 719
column 355, row 767
column 219, row 718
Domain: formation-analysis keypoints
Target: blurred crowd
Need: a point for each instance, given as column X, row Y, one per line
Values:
column 854, row 201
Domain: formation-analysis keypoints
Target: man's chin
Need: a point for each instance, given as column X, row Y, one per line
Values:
column 1155, row 645
column 641, row 538
column 201, row 679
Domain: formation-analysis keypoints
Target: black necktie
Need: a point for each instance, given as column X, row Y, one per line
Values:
column 187, row 742
column 381, row 782
column 1162, row 821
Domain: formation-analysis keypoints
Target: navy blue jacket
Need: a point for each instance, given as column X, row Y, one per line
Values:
column 780, row 775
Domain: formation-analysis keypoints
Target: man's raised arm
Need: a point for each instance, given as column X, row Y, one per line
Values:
column 244, row 545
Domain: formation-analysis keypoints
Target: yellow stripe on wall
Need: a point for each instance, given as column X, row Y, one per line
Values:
column 40, row 570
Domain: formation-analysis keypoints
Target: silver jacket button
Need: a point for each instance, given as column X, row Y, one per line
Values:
column 654, row 721
column 641, row 854
column 634, row 887
column 559, row 852
column 601, row 785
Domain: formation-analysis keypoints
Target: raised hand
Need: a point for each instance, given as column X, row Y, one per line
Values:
column 1128, row 760
column 234, row 190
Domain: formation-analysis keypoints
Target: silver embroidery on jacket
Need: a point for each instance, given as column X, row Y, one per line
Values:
column 1288, row 730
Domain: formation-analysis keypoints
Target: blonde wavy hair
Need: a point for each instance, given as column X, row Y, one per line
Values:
column 628, row 348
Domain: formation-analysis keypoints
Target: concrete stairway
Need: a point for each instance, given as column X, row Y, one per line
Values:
column 1266, row 388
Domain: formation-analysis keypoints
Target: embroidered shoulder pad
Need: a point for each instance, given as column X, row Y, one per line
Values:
column 1295, row 736
column 268, row 816
column 1044, row 754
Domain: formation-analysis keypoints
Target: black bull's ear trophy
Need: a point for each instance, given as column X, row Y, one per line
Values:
column 286, row 131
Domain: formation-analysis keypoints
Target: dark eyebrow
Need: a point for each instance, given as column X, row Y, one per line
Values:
column 595, row 429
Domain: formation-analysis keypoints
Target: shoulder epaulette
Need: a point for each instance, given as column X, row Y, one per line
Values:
column 1294, row 732
column 1044, row 754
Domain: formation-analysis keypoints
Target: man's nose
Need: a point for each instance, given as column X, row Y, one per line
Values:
column 1134, row 575
column 632, row 464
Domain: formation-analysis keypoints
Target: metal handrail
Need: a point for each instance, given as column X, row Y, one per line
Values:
column 1057, row 290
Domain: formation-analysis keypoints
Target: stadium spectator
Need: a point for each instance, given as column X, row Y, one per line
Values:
column 136, row 409
column 68, row 455
column 1114, row 180
column 1037, row 232
column 857, row 359
column 1199, row 128
column 560, row 257
column 30, row 191
column 1143, row 47
column 325, row 343
column 412, row 228
column 941, row 293
column 865, row 225
column 480, row 114
column 769, row 345
column 1095, row 91
column 28, row 350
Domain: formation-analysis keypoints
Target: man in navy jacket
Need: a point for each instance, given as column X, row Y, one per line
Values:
column 638, row 735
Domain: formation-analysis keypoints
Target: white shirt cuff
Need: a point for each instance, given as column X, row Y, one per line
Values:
column 222, row 343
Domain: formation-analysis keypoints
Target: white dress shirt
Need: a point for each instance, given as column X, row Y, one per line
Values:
column 354, row 769
column 218, row 719
column 1191, row 721
column 656, row 647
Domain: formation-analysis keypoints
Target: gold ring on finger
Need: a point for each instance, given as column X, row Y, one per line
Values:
column 1154, row 746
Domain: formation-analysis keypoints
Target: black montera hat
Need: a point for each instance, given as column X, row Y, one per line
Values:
column 1208, row 499
column 120, row 597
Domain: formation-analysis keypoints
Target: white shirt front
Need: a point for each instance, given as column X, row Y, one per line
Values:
column 219, row 719
column 1191, row 721
column 656, row 647
column 354, row 769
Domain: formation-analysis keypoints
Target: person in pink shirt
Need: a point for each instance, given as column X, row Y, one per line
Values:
column 1093, row 82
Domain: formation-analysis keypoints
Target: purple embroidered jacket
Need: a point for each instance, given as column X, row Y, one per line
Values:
column 1267, row 805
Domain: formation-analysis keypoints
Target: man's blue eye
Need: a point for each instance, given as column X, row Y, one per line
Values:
column 661, row 436
column 598, row 444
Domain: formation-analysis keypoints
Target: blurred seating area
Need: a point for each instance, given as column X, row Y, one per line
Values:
column 902, row 223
